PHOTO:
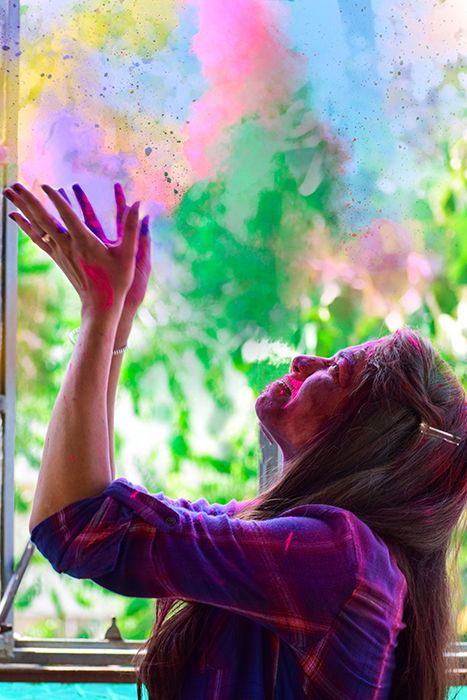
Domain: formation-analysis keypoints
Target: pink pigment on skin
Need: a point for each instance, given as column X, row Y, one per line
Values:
column 99, row 277
column 288, row 541
column 371, row 346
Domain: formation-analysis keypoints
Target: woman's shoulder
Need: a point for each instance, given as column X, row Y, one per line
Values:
column 377, row 569
column 376, row 565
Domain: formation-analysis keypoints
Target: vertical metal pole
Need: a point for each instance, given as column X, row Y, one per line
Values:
column 9, row 92
column 271, row 460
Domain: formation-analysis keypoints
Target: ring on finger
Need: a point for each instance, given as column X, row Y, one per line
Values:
column 46, row 237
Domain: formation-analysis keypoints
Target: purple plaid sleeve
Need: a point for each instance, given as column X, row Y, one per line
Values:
column 309, row 604
column 291, row 574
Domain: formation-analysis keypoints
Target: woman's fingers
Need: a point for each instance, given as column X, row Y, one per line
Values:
column 50, row 248
column 69, row 216
column 120, row 200
column 143, row 241
column 40, row 221
column 129, row 242
column 64, row 195
column 145, row 226
column 121, row 207
column 29, row 230
column 90, row 217
column 89, row 214
column 38, row 216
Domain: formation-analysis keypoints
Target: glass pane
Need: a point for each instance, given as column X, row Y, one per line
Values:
column 303, row 168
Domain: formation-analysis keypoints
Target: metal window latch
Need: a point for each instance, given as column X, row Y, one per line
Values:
column 113, row 632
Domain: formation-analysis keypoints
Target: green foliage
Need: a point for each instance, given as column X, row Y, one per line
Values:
column 21, row 504
column 82, row 599
column 57, row 603
column 445, row 295
column 242, row 251
column 24, row 599
column 137, row 619
column 49, row 628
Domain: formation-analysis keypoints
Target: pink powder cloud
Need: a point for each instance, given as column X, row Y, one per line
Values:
column 60, row 147
column 3, row 155
column 244, row 55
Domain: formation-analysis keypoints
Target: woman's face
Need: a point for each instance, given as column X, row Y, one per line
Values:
column 293, row 408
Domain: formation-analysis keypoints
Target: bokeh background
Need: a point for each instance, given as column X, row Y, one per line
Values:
column 304, row 166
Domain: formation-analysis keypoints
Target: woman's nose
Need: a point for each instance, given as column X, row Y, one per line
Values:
column 306, row 364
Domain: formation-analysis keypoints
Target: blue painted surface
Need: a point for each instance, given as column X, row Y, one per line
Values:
column 68, row 691
column 457, row 693
column 104, row 691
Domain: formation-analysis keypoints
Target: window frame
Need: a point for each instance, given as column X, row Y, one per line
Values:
column 53, row 660
column 9, row 92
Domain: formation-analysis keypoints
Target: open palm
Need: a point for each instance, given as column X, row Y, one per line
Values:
column 136, row 293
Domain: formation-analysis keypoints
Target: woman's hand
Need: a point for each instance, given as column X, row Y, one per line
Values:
column 135, row 295
column 104, row 273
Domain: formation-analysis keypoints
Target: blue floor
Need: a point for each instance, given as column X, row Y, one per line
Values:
column 103, row 691
column 68, row 691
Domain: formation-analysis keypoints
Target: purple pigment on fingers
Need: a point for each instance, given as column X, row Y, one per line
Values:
column 145, row 226
column 90, row 217
column 64, row 195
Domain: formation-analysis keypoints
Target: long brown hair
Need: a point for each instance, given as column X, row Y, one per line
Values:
column 409, row 488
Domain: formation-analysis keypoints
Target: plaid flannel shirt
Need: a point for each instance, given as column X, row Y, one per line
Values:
column 307, row 605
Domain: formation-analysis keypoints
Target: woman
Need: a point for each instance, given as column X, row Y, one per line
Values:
column 333, row 583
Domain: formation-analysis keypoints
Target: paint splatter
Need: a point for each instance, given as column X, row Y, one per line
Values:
column 289, row 538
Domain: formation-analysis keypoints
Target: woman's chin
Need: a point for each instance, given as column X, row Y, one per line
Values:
column 267, row 409
column 259, row 403
column 263, row 406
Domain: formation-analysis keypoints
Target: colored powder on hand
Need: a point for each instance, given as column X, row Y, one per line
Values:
column 101, row 280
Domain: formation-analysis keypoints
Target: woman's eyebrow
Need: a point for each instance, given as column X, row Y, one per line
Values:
column 344, row 353
column 352, row 357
